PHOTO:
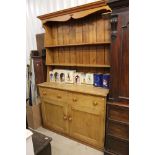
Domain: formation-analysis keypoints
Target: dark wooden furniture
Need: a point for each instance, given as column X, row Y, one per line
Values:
column 39, row 59
column 117, row 124
column 40, row 42
column 39, row 69
column 117, row 129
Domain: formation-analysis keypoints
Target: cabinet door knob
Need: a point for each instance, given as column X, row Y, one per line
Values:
column 74, row 99
column 95, row 103
column 65, row 117
column 44, row 92
column 70, row 118
column 59, row 96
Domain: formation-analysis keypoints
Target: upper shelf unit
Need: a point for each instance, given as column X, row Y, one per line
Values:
column 78, row 37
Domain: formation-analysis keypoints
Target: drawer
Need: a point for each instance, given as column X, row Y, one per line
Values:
column 53, row 94
column 118, row 130
column 86, row 100
column 118, row 113
column 108, row 153
column 117, row 146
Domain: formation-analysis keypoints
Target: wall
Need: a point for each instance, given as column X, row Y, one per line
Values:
column 35, row 8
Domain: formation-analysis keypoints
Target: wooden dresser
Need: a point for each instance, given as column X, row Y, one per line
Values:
column 77, row 39
column 89, row 38
column 75, row 111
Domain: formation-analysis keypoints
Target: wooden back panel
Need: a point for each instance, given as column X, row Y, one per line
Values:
column 91, row 57
column 91, row 29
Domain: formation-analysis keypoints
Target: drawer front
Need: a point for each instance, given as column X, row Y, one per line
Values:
column 118, row 113
column 53, row 94
column 108, row 153
column 118, row 130
column 86, row 100
column 117, row 146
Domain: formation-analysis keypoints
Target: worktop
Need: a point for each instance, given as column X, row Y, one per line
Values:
column 83, row 88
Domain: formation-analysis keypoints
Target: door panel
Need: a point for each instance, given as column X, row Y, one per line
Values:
column 124, row 59
column 55, row 115
column 119, row 83
column 86, row 123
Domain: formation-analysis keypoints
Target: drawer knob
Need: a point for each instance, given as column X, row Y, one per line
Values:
column 95, row 103
column 44, row 92
column 70, row 118
column 65, row 117
column 59, row 96
column 74, row 99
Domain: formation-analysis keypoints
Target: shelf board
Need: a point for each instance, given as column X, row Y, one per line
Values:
column 80, row 44
column 119, row 138
column 119, row 122
column 108, row 151
column 80, row 65
column 124, row 104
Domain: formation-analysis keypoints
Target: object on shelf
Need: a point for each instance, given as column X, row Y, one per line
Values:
column 83, row 78
column 56, row 75
column 62, row 75
column 89, row 78
column 77, row 78
column 98, row 80
column 51, row 74
column 69, row 76
column 105, row 80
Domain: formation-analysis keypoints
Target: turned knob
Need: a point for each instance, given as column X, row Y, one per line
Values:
column 70, row 118
column 44, row 92
column 95, row 103
column 59, row 96
column 65, row 117
column 74, row 99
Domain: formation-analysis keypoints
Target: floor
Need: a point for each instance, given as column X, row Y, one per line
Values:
column 64, row 146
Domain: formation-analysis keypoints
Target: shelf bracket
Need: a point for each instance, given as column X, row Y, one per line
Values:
column 114, row 21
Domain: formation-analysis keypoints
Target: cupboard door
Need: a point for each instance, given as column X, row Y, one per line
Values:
column 119, row 87
column 86, row 123
column 55, row 115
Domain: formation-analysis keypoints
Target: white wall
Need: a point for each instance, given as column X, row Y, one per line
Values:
column 35, row 8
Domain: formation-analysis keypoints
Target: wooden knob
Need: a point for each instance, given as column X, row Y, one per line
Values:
column 95, row 103
column 65, row 117
column 70, row 118
column 59, row 96
column 74, row 99
column 44, row 92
